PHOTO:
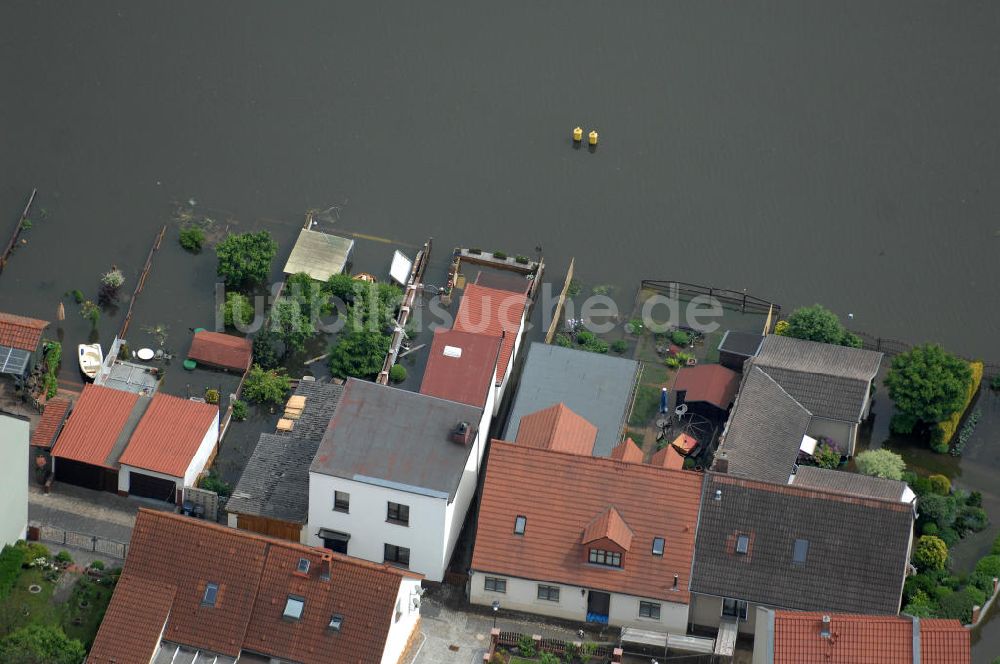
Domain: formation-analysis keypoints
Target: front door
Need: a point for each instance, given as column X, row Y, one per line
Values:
column 598, row 607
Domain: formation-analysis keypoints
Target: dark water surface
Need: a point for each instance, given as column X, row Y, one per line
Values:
column 846, row 153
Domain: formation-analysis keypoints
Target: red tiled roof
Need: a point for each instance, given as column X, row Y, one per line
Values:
column 221, row 350
column 557, row 428
column 466, row 379
column 685, row 443
column 494, row 312
column 627, row 451
column 135, row 617
column 711, row 383
column 254, row 575
column 609, row 524
column 50, row 422
column 98, row 419
column 169, row 435
column 668, row 457
column 21, row 332
column 864, row 639
column 653, row 502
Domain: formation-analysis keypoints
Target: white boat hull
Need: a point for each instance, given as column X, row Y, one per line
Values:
column 91, row 357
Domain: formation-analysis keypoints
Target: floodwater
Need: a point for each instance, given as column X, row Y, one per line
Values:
column 839, row 152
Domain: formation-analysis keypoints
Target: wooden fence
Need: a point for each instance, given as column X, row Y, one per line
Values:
column 141, row 281
column 742, row 299
column 12, row 243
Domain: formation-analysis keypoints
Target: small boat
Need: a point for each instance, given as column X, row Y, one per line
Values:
column 91, row 359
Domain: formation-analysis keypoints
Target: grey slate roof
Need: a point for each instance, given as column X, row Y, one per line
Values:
column 740, row 343
column 765, row 429
column 830, row 381
column 852, row 484
column 275, row 482
column 598, row 387
column 392, row 437
column 857, row 553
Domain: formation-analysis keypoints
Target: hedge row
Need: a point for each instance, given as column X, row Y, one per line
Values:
column 946, row 430
column 11, row 559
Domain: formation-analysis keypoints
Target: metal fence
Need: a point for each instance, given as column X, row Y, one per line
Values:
column 83, row 541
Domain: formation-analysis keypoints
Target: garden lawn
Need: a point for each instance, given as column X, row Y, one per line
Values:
column 22, row 608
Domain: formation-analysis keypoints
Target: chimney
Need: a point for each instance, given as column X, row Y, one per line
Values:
column 462, row 433
column 327, row 567
column 721, row 463
column 825, row 629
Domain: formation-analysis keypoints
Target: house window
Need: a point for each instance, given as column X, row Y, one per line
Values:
column 293, row 607
column 657, row 546
column 211, row 593
column 548, row 593
column 519, row 523
column 341, row 501
column 398, row 513
column 397, row 555
column 336, row 620
column 734, row 608
column 743, row 544
column 608, row 558
column 496, row 585
column 303, row 566
column 649, row 610
column 799, row 551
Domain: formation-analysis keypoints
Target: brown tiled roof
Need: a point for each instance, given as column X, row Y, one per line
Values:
column 136, row 618
column 627, row 450
column 51, row 422
column 169, row 435
column 685, row 443
column 710, row 383
column 99, row 418
column 21, row 332
column 668, row 457
column 557, row 428
column 610, row 525
column 466, row 379
column 944, row 642
column 255, row 575
column 866, row 639
column 653, row 502
column 221, row 350
column 494, row 312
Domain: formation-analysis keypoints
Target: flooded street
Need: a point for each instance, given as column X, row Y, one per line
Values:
column 842, row 153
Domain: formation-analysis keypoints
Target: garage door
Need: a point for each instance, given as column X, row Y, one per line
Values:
column 148, row 486
column 80, row 474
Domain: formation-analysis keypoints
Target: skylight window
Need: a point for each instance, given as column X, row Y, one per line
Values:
column 303, row 567
column 211, row 593
column 657, row 546
column 799, row 551
column 293, row 607
column 743, row 544
column 336, row 620
column 519, row 524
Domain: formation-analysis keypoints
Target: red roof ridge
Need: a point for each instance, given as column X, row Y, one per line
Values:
column 609, row 524
column 627, row 451
column 667, row 457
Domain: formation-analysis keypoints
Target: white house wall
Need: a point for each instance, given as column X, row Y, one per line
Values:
column 840, row 432
column 522, row 595
column 400, row 630
column 13, row 479
column 706, row 611
column 125, row 477
column 367, row 525
column 205, row 449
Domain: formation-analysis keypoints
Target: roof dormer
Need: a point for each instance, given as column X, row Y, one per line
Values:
column 607, row 538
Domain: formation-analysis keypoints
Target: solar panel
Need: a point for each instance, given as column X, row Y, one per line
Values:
column 13, row 361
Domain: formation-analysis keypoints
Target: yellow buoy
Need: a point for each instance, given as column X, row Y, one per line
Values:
column 578, row 134
column 593, row 137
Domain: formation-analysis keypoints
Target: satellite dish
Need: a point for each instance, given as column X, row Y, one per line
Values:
column 681, row 410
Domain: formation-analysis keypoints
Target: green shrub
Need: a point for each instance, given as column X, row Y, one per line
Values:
column 680, row 338
column 950, row 536
column 930, row 529
column 971, row 519
column 946, row 430
column 212, row 396
column 500, row 255
column 237, row 310
column 35, row 644
column 958, row 605
column 397, row 373
column 266, row 386
column 939, row 509
column 927, row 385
column 940, row 484
column 11, row 559
column 91, row 312
column 97, row 564
column 881, row 463
column 523, row 260
column 995, row 549
column 826, row 455
column 240, row 410
column 192, row 238
column 475, row 251
column 244, row 259
column 563, row 340
column 597, row 346
column 989, row 565
column 635, row 326
column 672, row 362
column 548, row 658
column 995, row 383
column 930, row 553
column 982, row 581
column 584, row 337
column 64, row 557
column 78, row 296
column 526, row 646
column 212, row 482
column 975, row 499
column 619, row 346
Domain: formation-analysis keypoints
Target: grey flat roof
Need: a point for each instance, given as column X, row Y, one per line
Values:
column 598, row 387
column 128, row 377
column 319, row 255
column 740, row 343
column 850, row 483
column 388, row 436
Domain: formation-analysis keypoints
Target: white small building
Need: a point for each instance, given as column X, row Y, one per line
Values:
column 394, row 476
column 13, row 478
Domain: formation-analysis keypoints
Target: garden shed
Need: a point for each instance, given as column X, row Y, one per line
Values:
column 20, row 338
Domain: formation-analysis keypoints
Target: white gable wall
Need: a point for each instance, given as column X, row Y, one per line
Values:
column 13, row 479
column 403, row 622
